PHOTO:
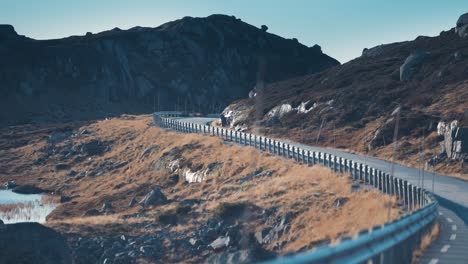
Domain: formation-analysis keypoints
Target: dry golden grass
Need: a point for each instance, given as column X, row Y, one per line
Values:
column 426, row 241
column 308, row 193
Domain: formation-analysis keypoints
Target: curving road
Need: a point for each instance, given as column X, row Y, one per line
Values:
column 452, row 244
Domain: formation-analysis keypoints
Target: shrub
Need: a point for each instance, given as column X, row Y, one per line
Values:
column 229, row 210
column 171, row 216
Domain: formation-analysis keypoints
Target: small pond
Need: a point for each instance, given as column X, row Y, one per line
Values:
column 15, row 208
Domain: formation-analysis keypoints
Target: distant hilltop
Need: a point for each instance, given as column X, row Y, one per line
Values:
column 201, row 64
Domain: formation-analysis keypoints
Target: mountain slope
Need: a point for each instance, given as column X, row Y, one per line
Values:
column 197, row 64
column 351, row 105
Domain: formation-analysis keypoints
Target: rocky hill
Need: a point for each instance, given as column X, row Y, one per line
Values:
column 133, row 193
column 198, row 64
column 423, row 83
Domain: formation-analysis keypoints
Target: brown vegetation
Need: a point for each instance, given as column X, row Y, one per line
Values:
column 242, row 185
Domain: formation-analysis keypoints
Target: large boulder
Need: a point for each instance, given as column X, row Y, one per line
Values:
column 32, row 243
column 155, row 197
column 411, row 64
column 462, row 26
column 28, row 189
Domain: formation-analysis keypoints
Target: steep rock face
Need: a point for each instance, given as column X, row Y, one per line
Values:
column 427, row 77
column 199, row 64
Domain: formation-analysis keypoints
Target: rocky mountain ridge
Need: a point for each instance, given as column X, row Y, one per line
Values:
column 198, row 64
column 417, row 84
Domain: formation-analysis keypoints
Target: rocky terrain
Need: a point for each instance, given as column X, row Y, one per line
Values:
column 421, row 84
column 194, row 64
column 133, row 193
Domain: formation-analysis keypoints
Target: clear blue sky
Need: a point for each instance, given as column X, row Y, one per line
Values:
column 343, row 28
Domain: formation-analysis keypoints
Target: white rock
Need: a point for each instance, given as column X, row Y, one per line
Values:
column 220, row 242
column 279, row 111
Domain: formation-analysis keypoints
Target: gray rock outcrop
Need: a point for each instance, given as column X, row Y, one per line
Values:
column 411, row 64
column 455, row 143
column 155, row 197
column 202, row 64
column 462, row 26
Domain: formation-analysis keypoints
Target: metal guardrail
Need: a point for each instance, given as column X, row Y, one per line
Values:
column 393, row 242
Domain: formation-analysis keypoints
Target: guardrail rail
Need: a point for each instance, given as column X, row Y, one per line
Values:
column 393, row 242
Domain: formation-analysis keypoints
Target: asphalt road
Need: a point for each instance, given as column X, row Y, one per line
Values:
column 452, row 194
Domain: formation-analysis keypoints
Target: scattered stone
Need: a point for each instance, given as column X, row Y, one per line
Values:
column 458, row 55
column 58, row 136
column 132, row 202
column 64, row 199
column 85, row 132
column 10, row 185
column 148, row 250
column 91, row 212
column 147, row 151
column 250, row 255
column 93, row 147
column 119, row 165
column 220, row 243
column 193, row 241
column 260, row 235
column 106, row 206
column 155, row 197
column 339, row 202
column 72, row 173
column 62, row 166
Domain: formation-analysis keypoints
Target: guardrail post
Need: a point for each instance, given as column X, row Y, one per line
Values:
column 376, row 177
column 419, row 196
column 391, row 185
column 360, row 171
column 405, row 192
column 355, row 170
column 387, row 183
column 381, row 182
column 335, row 168
column 384, row 187
column 410, row 196
column 366, row 174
